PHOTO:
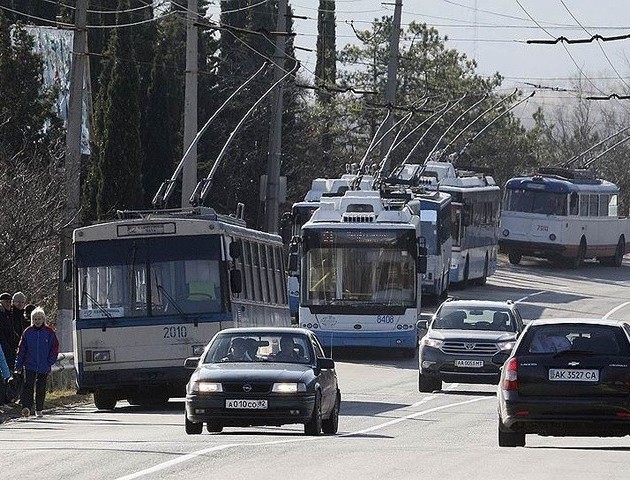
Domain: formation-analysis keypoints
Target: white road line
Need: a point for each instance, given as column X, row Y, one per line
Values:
column 193, row 455
column 530, row 295
column 618, row 307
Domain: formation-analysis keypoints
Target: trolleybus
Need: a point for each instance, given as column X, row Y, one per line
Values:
column 152, row 288
column 564, row 215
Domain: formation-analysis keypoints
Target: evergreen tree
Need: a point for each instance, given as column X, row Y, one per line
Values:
column 118, row 177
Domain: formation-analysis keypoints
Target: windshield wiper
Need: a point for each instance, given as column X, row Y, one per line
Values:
column 169, row 298
column 98, row 305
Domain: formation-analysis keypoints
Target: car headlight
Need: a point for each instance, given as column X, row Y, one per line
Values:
column 207, row 387
column 433, row 342
column 288, row 387
column 507, row 345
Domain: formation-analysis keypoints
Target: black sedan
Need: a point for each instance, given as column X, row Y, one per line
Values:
column 566, row 377
column 262, row 376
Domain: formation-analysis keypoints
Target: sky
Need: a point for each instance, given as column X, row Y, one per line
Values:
column 495, row 32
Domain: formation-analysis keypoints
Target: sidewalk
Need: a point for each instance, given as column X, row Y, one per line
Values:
column 10, row 411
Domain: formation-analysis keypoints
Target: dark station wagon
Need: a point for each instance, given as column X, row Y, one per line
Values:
column 565, row 377
column 262, row 376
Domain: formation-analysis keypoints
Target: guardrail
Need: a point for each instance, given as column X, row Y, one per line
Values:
column 62, row 374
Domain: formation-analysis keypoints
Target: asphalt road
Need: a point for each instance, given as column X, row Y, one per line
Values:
column 388, row 430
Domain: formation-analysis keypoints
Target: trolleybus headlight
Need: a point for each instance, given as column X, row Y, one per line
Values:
column 288, row 387
column 309, row 325
column 198, row 350
column 207, row 387
column 506, row 232
column 552, row 237
column 315, row 325
column 101, row 356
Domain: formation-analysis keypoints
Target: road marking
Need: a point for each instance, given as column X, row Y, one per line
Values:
column 618, row 307
column 530, row 295
column 193, row 455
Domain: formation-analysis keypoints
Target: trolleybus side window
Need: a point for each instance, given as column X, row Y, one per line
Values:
column 593, row 205
column 612, row 206
column 584, row 205
column 277, row 273
column 249, row 271
column 603, row 205
column 573, row 203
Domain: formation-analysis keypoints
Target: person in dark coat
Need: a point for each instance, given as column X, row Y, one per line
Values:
column 6, row 326
column 37, row 353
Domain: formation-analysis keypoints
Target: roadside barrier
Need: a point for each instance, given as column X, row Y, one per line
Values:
column 62, row 375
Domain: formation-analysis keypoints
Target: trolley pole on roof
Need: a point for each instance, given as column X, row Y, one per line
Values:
column 390, row 90
column 189, row 174
column 72, row 169
column 272, row 202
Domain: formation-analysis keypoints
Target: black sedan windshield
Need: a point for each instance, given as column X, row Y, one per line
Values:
column 273, row 347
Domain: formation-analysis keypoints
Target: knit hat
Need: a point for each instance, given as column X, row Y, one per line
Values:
column 19, row 297
column 5, row 296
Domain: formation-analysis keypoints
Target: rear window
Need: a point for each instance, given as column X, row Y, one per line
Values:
column 595, row 339
column 462, row 318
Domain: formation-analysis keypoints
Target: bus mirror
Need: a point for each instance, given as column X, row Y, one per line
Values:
column 293, row 262
column 235, row 249
column 422, row 259
column 236, row 282
column 67, row 270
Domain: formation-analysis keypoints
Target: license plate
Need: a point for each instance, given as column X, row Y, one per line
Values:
column 247, row 404
column 573, row 375
column 469, row 363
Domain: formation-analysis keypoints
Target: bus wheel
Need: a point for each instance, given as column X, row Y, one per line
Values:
column 514, row 258
column 105, row 399
column 464, row 283
column 617, row 258
column 578, row 261
column 482, row 280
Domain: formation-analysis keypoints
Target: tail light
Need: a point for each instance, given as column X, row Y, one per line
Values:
column 510, row 380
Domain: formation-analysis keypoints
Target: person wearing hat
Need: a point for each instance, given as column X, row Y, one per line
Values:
column 37, row 353
column 18, row 323
column 6, row 325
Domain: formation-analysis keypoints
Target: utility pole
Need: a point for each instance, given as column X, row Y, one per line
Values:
column 72, row 169
column 390, row 89
column 189, row 174
column 272, row 203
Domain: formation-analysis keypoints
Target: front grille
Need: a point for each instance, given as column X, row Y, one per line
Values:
column 255, row 387
column 479, row 348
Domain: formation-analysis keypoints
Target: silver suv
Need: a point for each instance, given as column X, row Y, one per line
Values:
column 461, row 339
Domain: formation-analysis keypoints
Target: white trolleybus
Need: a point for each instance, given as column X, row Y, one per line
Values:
column 361, row 268
column 302, row 211
column 564, row 215
column 475, row 207
column 152, row 288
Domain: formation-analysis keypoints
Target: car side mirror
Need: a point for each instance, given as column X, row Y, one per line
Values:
column 191, row 363
column 293, row 262
column 67, row 270
column 422, row 259
column 421, row 325
column 499, row 358
column 325, row 363
column 235, row 249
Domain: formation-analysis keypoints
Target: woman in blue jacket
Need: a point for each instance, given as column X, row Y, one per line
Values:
column 37, row 352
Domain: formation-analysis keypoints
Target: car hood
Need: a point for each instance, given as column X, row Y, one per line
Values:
column 478, row 336
column 248, row 372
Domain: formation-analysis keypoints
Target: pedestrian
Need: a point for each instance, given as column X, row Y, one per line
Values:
column 37, row 352
column 18, row 322
column 6, row 327
column 6, row 374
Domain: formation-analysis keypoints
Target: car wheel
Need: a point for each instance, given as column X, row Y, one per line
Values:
column 105, row 399
column 214, row 427
column 314, row 426
column 514, row 258
column 428, row 384
column 193, row 428
column 508, row 438
column 331, row 424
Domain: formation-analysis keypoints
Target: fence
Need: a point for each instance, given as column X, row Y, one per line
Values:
column 62, row 375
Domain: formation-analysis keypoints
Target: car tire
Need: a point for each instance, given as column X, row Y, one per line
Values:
column 331, row 424
column 193, row 428
column 314, row 426
column 214, row 427
column 427, row 384
column 508, row 438
column 105, row 399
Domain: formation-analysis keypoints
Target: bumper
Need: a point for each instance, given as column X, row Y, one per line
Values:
column 282, row 409
column 173, row 380
column 559, row 416
column 435, row 363
column 398, row 339
column 537, row 249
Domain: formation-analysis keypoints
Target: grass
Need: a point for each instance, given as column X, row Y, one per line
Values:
column 64, row 398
